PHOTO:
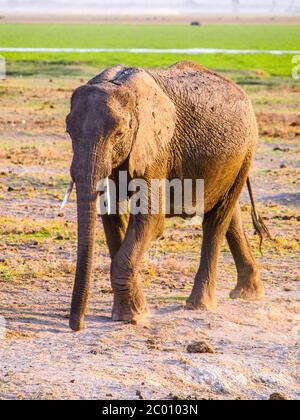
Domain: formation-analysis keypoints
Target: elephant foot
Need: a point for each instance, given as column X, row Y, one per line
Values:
column 204, row 301
column 249, row 286
column 248, row 292
column 76, row 322
column 130, row 308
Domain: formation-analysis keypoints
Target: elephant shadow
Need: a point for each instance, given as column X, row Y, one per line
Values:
column 40, row 320
column 286, row 199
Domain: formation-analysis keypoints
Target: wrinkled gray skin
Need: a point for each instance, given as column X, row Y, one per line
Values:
column 182, row 122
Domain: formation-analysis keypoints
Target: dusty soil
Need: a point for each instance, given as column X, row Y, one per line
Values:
column 256, row 343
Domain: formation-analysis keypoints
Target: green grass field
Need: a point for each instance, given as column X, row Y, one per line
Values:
column 279, row 37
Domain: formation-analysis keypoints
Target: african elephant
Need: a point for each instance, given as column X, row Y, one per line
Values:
column 181, row 122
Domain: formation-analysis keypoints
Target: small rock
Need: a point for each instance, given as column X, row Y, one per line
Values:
column 174, row 397
column 280, row 149
column 277, row 396
column 139, row 394
column 200, row 347
column 94, row 352
column 284, row 166
column 152, row 344
column 2, row 259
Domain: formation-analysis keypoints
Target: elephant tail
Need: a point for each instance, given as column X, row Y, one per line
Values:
column 258, row 223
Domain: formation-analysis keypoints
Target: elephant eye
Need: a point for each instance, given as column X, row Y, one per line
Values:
column 119, row 134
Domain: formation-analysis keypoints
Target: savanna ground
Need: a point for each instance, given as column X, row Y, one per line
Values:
column 256, row 343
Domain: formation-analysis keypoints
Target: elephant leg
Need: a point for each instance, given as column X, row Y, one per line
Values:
column 115, row 227
column 129, row 301
column 215, row 225
column 203, row 293
column 249, row 285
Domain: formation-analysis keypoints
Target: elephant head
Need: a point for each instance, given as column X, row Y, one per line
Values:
column 113, row 121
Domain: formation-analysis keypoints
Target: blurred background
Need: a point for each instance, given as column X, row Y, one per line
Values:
column 155, row 7
column 244, row 35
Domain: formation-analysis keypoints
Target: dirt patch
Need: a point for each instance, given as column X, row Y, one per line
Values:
column 277, row 125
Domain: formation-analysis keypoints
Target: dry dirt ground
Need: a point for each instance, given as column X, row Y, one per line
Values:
column 256, row 343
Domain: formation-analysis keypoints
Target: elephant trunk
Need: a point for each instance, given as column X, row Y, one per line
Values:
column 86, row 211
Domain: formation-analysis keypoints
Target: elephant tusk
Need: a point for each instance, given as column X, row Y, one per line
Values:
column 67, row 195
column 104, row 184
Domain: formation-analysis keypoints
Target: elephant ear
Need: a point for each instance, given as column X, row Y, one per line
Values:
column 156, row 118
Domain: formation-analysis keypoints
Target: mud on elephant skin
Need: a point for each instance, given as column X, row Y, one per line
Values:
column 183, row 122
